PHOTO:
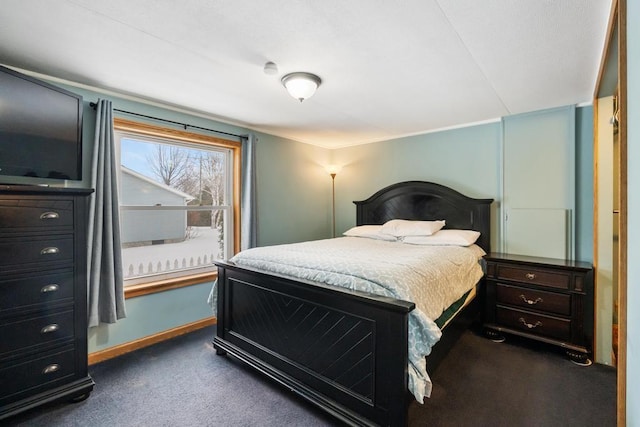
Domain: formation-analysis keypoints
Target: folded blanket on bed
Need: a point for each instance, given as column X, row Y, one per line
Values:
column 432, row 277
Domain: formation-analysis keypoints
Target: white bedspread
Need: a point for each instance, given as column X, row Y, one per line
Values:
column 432, row 277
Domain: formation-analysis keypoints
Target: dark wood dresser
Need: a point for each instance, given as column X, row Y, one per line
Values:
column 43, row 296
column 544, row 299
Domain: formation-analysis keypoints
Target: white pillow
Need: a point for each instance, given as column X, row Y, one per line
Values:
column 369, row 231
column 445, row 238
column 403, row 227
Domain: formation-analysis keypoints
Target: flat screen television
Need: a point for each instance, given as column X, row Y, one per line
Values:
column 40, row 130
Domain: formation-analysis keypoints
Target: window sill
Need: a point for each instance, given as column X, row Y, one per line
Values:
column 165, row 285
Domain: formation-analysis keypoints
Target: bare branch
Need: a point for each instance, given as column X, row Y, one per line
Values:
column 170, row 164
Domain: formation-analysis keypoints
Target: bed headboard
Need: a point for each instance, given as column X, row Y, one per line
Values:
column 427, row 201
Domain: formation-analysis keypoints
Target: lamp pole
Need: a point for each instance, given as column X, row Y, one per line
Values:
column 333, row 202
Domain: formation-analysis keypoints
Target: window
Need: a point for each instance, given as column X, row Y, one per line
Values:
column 178, row 205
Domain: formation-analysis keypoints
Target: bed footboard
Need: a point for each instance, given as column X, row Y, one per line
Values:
column 344, row 351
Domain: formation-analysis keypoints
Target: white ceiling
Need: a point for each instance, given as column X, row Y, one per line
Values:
column 390, row 68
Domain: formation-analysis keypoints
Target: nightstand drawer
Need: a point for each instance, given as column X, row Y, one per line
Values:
column 41, row 372
column 36, row 331
column 38, row 290
column 536, row 324
column 534, row 299
column 534, row 276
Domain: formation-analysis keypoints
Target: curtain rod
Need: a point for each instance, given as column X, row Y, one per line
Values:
column 184, row 125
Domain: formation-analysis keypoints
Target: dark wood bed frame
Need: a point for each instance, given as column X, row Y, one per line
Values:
column 344, row 351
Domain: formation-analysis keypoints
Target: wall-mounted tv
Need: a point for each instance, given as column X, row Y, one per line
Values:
column 40, row 129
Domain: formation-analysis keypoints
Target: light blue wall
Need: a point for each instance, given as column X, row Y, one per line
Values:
column 466, row 159
column 153, row 313
column 539, row 182
column 294, row 191
column 584, row 184
column 633, row 221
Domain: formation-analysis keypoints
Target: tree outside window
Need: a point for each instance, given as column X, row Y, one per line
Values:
column 176, row 206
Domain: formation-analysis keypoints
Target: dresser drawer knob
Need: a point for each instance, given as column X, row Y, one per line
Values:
column 50, row 369
column 530, row 301
column 49, row 288
column 52, row 250
column 50, row 215
column 50, row 328
column 530, row 276
column 530, row 325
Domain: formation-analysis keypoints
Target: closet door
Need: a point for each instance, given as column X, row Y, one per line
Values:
column 539, row 183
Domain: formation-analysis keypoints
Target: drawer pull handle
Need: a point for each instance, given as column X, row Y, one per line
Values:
column 54, row 367
column 50, row 328
column 529, row 301
column 530, row 276
column 50, row 251
column 530, row 325
column 50, row 215
column 49, row 288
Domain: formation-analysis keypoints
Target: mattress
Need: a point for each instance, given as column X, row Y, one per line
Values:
column 447, row 315
column 432, row 277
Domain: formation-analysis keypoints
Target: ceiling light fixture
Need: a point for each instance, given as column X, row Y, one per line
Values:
column 301, row 85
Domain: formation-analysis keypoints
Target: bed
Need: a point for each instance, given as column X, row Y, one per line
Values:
column 357, row 371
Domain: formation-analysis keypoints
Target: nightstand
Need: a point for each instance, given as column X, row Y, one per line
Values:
column 544, row 299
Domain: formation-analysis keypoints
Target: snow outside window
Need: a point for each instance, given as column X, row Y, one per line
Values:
column 175, row 207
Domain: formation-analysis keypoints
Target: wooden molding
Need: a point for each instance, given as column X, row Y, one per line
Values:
column 166, row 132
column 622, row 261
column 617, row 23
column 119, row 350
column 142, row 128
column 133, row 291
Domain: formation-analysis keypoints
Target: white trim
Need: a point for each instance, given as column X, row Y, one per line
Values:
column 408, row 135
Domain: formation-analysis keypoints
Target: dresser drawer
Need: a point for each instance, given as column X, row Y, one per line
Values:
column 28, row 291
column 35, row 213
column 550, row 302
column 38, row 249
column 532, row 323
column 33, row 331
column 42, row 372
column 534, row 276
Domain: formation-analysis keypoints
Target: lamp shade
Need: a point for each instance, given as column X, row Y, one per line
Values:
column 301, row 85
column 333, row 169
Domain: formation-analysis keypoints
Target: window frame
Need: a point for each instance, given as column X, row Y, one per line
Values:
column 144, row 129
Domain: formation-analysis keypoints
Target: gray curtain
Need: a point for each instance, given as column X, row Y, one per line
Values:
column 248, row 211
column 106, row 288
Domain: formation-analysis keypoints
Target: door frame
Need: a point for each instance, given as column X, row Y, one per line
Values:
column 617, row 30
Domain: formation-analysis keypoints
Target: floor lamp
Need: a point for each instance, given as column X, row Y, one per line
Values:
column 333, row 171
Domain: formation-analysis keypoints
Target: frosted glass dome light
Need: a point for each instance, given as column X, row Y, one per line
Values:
column 301, row 85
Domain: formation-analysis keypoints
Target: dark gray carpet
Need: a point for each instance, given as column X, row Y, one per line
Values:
column 183, row 383
column 516, row 383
